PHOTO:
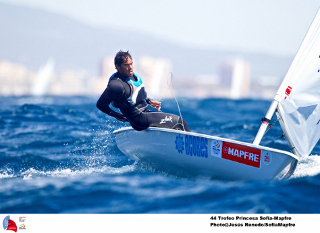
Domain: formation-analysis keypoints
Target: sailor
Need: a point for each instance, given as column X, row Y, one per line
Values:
column 126, row 92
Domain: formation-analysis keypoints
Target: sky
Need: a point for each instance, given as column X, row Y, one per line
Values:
column 272, row 26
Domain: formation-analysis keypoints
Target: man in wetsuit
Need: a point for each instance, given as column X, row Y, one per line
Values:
column 126, row 92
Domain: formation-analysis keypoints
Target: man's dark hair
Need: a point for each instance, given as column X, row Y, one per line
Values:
column 121, row 57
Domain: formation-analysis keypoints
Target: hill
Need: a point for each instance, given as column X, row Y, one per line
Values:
column 30, row 36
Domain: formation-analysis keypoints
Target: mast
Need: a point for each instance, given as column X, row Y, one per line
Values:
column 265, row 122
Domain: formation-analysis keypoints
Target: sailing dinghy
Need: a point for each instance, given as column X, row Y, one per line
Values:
column 297, row 106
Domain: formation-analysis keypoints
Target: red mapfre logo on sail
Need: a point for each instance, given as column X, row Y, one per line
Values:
column 241, row 154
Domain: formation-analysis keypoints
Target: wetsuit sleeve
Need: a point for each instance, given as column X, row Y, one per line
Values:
column 148, row 100
column 113, row 89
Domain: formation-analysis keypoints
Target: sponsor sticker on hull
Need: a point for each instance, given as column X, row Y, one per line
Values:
column 267, row 157
column 216, row 147
column 241, row 154
column 192, row 145
column 237, row 153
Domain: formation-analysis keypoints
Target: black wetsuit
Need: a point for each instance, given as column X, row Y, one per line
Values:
column 128, row 95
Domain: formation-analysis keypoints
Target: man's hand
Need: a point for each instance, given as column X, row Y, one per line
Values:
column 155, row 104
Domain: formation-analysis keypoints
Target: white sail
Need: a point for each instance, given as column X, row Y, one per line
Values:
column 299, row 94
column 42, row 80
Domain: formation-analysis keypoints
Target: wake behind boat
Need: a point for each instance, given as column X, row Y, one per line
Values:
column 297, row 105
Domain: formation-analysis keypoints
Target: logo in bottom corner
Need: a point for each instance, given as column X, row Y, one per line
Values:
column 22, row 226
column 9, row 225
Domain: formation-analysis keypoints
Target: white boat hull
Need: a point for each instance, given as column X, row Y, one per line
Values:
column 199, row 155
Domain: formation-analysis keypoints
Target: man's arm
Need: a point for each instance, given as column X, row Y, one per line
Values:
column 107, row 97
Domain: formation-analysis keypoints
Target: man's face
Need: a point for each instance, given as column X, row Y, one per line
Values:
column 126, row 68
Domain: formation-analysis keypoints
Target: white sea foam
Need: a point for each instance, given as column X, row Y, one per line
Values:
column 5, row 175
column 308, row 166
column 30, row 173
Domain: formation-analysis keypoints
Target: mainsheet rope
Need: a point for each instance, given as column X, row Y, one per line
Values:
column 169, row 82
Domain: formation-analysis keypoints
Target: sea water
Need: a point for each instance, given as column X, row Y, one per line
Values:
column 59, row 155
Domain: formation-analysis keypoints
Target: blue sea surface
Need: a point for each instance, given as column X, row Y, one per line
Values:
column 59, row 155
